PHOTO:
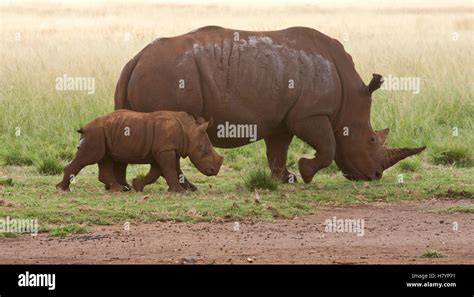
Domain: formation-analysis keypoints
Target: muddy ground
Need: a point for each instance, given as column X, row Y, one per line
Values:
column 393, row 233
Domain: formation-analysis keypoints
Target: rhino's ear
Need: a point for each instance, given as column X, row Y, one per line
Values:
column 375, row 83
column 382, row 134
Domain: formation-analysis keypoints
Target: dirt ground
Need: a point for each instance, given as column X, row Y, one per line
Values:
column 393, row 233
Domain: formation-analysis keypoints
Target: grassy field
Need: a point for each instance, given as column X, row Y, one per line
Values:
column 43, row 41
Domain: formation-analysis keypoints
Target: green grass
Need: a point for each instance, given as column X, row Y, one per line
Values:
column 453, row 155
column 468, row 208
column 260, row 178
column 409, row 165
column 225, row 197
column 432, row 254
column 67, row 229
column 50, row 166
column 8, row 234
column 17, row 157
column 6, row 182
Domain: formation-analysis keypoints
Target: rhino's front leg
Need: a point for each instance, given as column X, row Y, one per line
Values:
column 187, row 185
column 167, row 162
column 277, row 154
column 317, row 132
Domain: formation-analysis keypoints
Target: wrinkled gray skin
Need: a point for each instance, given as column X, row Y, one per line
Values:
column 296, row 81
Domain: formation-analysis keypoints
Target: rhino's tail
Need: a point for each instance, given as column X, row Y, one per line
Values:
column 80, row 130
column 121, row 90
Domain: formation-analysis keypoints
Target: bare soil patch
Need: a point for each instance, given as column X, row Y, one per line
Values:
column 394, row 233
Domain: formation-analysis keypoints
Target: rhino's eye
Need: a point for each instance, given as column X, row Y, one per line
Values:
column 372, row 139
column 206, row 152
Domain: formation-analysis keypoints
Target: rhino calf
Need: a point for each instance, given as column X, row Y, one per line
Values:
column 158, row 138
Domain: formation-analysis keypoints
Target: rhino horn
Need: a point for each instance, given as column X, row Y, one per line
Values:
column 382, row 134
column 394, row 155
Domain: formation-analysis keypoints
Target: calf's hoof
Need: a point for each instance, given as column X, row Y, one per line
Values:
column 306, row 169
column 176, row 189
column 117, row 188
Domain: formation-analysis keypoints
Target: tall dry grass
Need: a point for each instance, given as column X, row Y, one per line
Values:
column 430, row 41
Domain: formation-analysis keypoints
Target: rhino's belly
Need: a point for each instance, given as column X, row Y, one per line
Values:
column 122, row 158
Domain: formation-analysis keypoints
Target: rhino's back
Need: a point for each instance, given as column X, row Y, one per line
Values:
column 242, row 77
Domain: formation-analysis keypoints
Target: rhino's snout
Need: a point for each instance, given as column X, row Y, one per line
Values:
column 211, row 171
column 213, row 167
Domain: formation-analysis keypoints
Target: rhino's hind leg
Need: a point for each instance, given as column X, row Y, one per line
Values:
column 187, row 185
column 120, row 173
column 151, row 177
column 317, row 132
column 106, row 175
column 277, row 153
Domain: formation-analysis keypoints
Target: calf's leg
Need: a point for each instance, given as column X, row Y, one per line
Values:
column 71, row 170
column 107, row 177
column 151, row 177
column 91, row 150
column 120, row 173
column 187, row 185
column 167, row 162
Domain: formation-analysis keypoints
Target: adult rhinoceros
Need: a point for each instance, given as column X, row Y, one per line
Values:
column 296, row 81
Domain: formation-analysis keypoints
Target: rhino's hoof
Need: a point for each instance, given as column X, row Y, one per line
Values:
column 287, row 178
column 117, row 188
column 137, row 186
column 189, row 186
column 62, row 188
column 306, row 170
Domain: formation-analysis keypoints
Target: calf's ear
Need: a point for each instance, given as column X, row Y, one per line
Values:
column 201, row 120
column 375, row 83
column 203, row 127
